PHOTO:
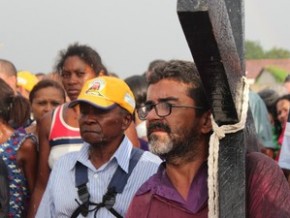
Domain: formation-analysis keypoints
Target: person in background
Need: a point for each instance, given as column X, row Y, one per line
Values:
column 270, row 96
column 138, row 85
column 54, row 76
column 284, row 159
column 262, row 124
column 113, row 74
column 179, row 127
column 8, row 73
column 286, row 83
column 40, row 76
column 45, row 96
column 59, row 130
column 17, row 150
column 282, row 107
column 152, row 65
column 25, row 82
column 105, row 114
column 4, row 190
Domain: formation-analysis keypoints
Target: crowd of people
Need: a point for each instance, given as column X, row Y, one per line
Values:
column 82, row 142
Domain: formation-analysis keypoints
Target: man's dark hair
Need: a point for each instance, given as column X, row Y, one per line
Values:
column 155, row 63
column 84, row 52
column 7, row 68
column 185, row 72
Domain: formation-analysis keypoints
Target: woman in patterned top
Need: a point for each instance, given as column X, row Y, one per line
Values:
column 18, row 154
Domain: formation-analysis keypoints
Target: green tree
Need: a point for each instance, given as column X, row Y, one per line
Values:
column 253, row 50
column 277, row 53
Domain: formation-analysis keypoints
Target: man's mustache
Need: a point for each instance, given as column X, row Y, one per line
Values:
column 158, row 126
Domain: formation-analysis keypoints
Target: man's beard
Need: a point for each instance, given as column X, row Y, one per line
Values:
column 160, row 145
column 171, row 147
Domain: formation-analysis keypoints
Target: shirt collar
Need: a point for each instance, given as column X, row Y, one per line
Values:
column 121, row 155
column 160, row 185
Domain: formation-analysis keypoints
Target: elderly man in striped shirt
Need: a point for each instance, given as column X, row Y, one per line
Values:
column 100, row 179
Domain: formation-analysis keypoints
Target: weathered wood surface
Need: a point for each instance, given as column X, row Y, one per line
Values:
column 214, row 33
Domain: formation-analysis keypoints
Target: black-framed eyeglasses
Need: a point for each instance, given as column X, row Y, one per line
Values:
column 162, row 109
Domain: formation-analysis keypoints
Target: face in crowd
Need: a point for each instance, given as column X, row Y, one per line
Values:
column 74, row 74
column 99, row 127
column 177, row 124
column 282, row 107
column 45, row 96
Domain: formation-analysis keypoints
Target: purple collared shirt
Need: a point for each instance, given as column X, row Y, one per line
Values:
column 268, row 193
column 160, row 186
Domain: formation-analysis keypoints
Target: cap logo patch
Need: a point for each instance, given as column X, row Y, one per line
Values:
column 95, row 87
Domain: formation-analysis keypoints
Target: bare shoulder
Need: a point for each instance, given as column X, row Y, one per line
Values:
column 27, row 149
column 28, row 144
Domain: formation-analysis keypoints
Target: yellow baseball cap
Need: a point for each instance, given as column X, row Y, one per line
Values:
column 26, row 79
column 104, row 92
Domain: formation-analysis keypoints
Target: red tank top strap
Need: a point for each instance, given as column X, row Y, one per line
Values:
column 55, row 122
column 59, row 128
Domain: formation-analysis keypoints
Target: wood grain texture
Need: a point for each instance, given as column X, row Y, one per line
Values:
column 217, row 50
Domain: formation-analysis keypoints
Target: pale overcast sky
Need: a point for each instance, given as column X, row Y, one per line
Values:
column 128, row 34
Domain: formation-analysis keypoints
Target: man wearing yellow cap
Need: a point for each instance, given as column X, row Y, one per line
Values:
column 101, row 179
column 25, row 82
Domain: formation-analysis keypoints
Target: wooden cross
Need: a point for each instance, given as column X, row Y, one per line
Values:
column 214, row 31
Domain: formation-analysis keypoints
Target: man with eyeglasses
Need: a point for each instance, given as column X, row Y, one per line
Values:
column 179, row 126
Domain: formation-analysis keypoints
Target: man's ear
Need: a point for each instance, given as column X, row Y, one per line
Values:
column 127, row 120
column 206, row 125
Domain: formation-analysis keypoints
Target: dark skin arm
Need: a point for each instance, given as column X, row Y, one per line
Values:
column 43, row 167
column 27, row 160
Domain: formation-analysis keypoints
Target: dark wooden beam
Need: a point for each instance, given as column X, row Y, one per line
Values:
column 214, row 33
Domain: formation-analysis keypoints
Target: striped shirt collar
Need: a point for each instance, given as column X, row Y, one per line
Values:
column 121, row 155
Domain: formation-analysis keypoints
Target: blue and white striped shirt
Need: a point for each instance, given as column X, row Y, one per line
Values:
column 59, row 199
